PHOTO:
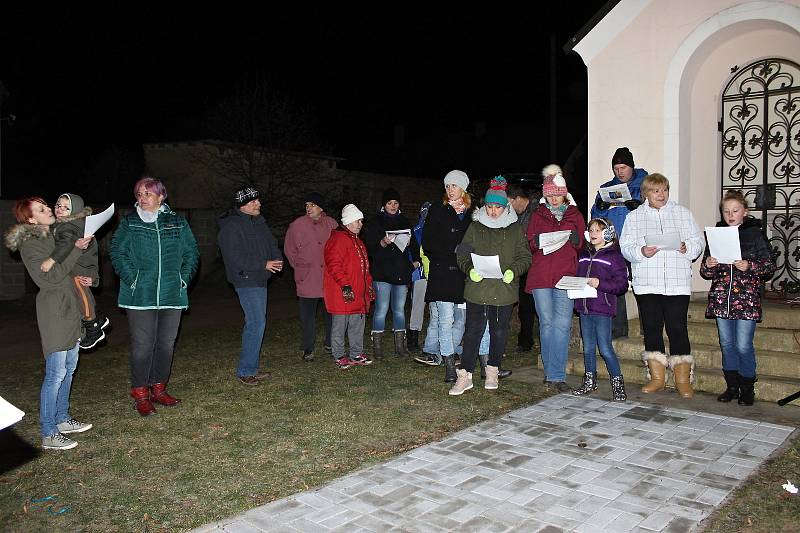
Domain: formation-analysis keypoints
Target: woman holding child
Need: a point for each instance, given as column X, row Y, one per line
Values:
column 57, row 314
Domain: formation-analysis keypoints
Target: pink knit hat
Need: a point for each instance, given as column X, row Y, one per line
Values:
column 554, row 183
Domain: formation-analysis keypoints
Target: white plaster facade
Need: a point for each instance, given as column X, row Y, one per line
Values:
column 656, row 69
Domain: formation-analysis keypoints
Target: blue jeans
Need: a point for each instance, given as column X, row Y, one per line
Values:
column 736, row 341
column 386, row 293
column 254, row 304
column 54, row 397
column 445, row 329
column 596, row 332
column 555, row 326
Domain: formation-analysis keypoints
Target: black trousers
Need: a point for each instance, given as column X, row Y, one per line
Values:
column 657, row 311
column 525, row 311
column 619, row 324
column 478, row 315
column 308, row 321
column 153, row 333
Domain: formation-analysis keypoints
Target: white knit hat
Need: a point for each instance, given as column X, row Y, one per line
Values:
column 458, row 178
column 351, row 213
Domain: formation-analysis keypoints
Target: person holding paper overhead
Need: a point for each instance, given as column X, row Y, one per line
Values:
column 662, row 282
column 70, row 220
column 494, row 233
column 625, row 173
column 557, row 212
column 155, row 255
column 734, row 299
column 447, row 222
column 57, row 315
column 389, row 238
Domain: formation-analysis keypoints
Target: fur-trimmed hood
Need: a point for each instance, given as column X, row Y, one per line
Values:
column 16, row 235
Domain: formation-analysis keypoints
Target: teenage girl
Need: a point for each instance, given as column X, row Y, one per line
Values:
column 603, row 264
column 734, row 299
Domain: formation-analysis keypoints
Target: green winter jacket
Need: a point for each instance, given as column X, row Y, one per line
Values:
column 57, row 312
column 155, row 261
column 510, row 244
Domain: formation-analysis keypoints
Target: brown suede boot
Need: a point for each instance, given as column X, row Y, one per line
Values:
column 681, row 366
column 656, row 371
column 158, row 394
column 141, row 397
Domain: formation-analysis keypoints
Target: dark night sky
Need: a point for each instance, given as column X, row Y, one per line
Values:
column 79, row 87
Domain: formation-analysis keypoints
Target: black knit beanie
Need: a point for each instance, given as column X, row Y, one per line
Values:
column 622, row 156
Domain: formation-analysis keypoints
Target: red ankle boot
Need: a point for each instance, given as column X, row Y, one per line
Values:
column 158, row 394
column 141, row 397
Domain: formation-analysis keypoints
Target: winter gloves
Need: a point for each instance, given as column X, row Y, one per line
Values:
column 348, row 294
column 508, row 276
column 633, row 204
column 574, row 238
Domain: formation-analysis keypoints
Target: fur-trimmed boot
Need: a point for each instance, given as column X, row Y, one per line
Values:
column 747, row 390
column 732, row 390
column 589, row 384
column 682, row 367
column 377, row 344
column 656, row 363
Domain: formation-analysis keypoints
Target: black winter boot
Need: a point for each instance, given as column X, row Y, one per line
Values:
column 747, row 393
column 94, row 334
column 377, row 344
column 618, row 389
column 483, row 360
column 732, row 392
column 449, row 369
column 589, row 384
column 412, row 340
column 400, row 344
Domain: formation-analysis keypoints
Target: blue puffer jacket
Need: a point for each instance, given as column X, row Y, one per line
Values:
column 607, row 265
column 618, row 214
column 155, row 261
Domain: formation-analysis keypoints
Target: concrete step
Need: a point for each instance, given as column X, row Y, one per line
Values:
column 775, row 316
column 780, row 340
column 709, row 356
column 768, row 388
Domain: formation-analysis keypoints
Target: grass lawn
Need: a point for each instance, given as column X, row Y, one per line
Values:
column 228, row 447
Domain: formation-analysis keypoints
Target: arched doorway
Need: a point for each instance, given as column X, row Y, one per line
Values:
column 760, row 149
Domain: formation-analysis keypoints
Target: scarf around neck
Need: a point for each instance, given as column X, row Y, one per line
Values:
column 508, row 217
column 458, row 205
column 149, row 216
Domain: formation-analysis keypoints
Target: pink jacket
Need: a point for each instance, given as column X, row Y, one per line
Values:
column 304, row 248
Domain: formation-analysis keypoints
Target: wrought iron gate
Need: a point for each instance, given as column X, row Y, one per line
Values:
column 761, row 155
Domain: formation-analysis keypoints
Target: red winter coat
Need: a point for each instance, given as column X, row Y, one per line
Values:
column 346, row 263
column 546, row 270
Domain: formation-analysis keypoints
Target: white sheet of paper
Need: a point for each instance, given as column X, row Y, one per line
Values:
column 664, row 241
column 723, row 244
column 571, row 282
column 93, row 222
column 615, row 194
column 587, row 292
column 488, row 266
column 553, row 240
column 9, row 414
column 400, row 237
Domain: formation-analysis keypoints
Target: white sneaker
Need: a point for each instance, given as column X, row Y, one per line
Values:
column 57, row 441
column 73, row 426
column 463, row 382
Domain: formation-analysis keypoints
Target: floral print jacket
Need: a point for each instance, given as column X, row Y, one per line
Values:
column 736, row 295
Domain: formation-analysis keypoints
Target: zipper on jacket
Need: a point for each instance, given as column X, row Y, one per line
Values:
column 158, row 285
column 588, row 272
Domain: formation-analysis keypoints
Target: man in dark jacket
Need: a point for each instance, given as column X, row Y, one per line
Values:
column 251, row 255
column 523, row 205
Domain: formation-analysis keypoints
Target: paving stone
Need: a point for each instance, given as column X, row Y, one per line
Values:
column 481, row 523
column 656, row 521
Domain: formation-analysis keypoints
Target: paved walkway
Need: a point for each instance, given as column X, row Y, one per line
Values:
column 565, row 464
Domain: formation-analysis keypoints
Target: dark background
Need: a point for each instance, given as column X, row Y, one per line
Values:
column 403, row 93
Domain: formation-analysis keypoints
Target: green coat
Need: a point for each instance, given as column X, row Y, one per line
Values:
column 57, row 312
column 155, row 261
column 512, row 247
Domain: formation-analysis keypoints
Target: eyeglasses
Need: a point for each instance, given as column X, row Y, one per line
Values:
column 62, row 206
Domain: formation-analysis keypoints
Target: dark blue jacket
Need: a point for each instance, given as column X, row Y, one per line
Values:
column 247, row 244
column 618, row 214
